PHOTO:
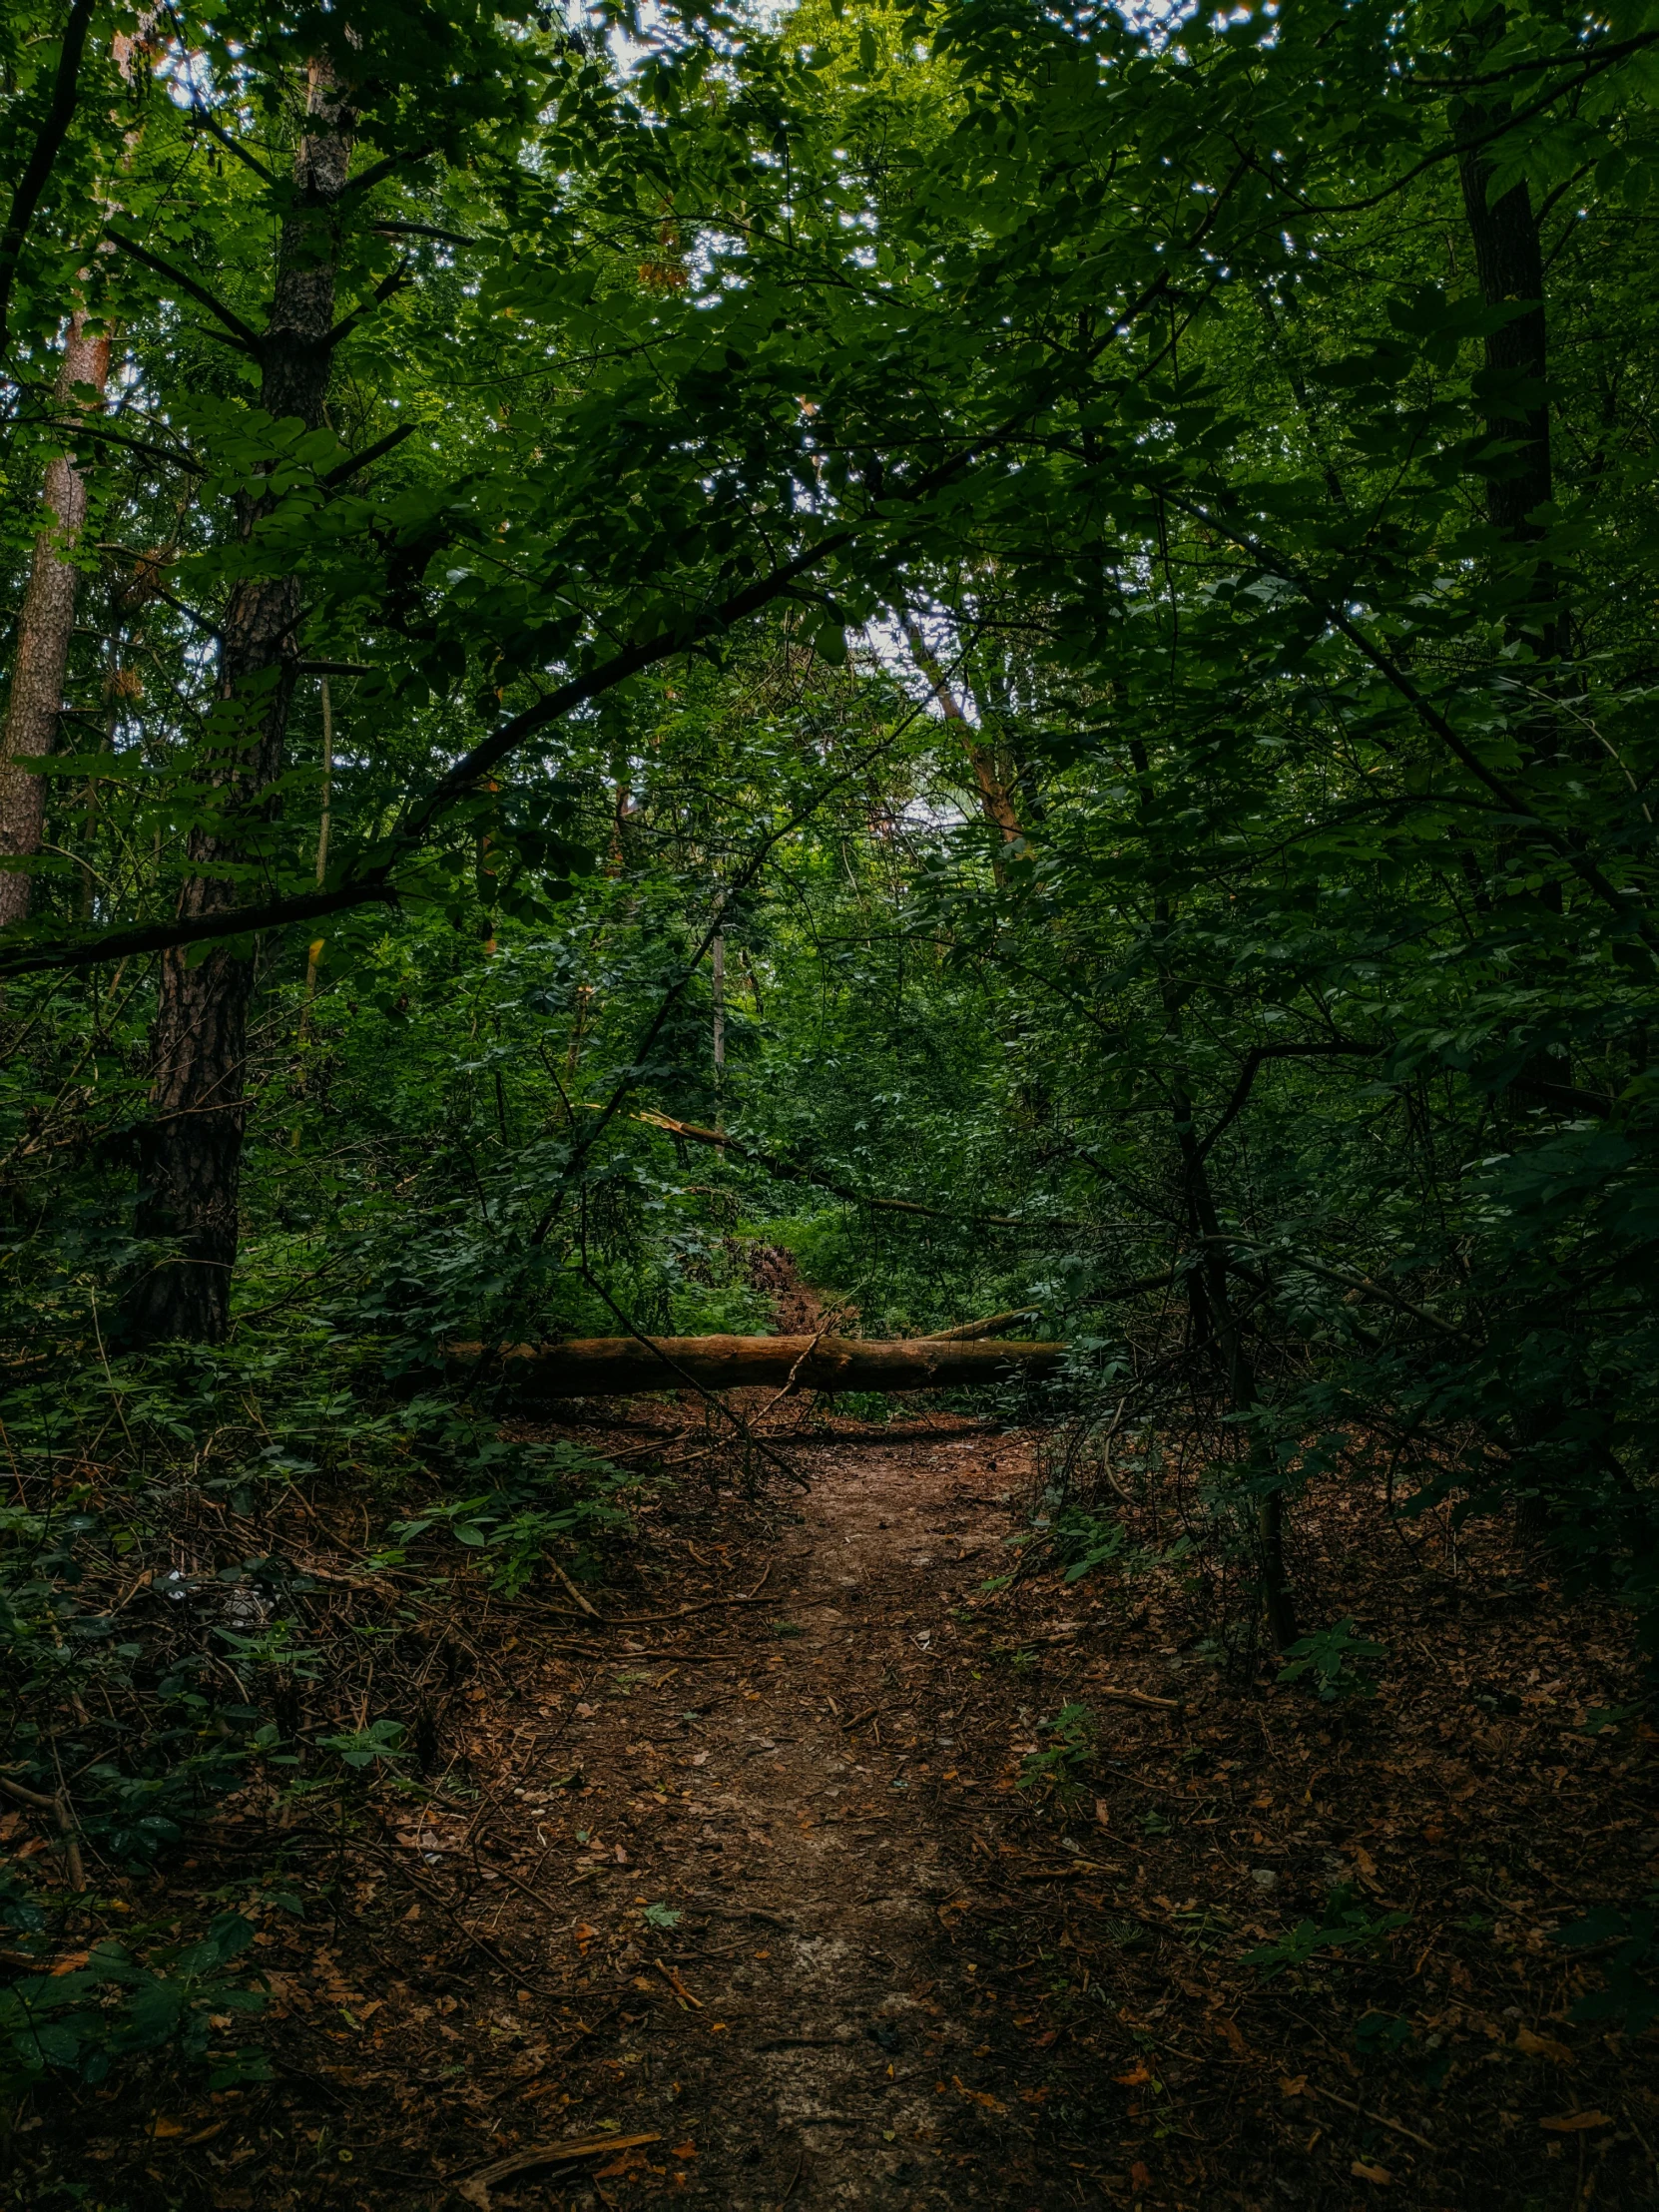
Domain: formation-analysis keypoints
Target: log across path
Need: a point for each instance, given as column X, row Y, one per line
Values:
column 610, row 1366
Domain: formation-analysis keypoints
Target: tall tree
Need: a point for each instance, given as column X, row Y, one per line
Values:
column 190, row 1147
column 46, row 625
column 1510, row 268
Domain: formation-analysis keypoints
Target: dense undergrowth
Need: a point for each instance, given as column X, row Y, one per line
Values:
column 989, row 647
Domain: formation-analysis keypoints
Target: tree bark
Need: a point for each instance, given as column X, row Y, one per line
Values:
column 1510, row 268
column 1215, row 1324
column 610, row 1366
column 191, row 1149
column 997, row 800
column 43, row 631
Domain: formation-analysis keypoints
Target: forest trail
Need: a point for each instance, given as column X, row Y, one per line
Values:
column 818, row 2041
column 823, row 1795
column 741, row 1891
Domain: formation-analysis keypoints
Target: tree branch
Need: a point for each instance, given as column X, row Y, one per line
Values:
column 788, row 1173
column 375, row 452
column 248, row 339
column 1253, row 1061
column 373, row 883
column 144, row 563
column 204, row 121
column 162, row 453
column 1449, row 149
column 421, row 230
column 66, row 91
column 377, row 298
column 159, row 936
column 1586, row 869
column 59, row 1807
column 1603, row 56
column 379, row 171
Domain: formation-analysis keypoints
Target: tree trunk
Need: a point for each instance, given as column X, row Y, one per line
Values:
column 1510, row 268
column 1214, row 1321
column 611, row 1366
column 191, row 1150
column 997, row 800
column 43, row 631
column 1214, row 1307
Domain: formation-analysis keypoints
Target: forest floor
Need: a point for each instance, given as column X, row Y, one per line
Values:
column 739, row 1899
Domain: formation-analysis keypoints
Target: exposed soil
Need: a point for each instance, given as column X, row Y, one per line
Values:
column 897, row 1977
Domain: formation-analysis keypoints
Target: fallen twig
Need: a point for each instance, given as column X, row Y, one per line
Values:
column 476, row 2187
column 1136, row 1697
column 675, row 1985
column 390, row 1859
column 1311, row 2088
column 59, row 1807
column 574, row 1591
column 703, row 1605
column 748, row 1912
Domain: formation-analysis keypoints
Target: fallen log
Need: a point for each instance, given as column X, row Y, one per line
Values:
column 614, row 1367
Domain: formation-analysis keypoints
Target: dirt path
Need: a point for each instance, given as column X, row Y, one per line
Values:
column 814, row 1796
column 810, row 2032
column 743, row 1904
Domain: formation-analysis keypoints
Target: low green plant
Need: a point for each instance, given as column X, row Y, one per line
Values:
column 273, row 1647
column 1380, row 2036
column 1060, row 1764
column 377, row 1745
column 519, row 1522
column 1627, row 1995
column 120, row 2005
column 1329, row 1655
column 1344, row 1926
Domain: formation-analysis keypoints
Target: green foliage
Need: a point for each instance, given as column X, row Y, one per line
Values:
column 120, row 2005
column 514, row 1520
column 1328, row 1657
column 1630, row 1996
column 1086, row 1540
column 1059, row 1766
column 1382, row 2036
column 1344, row 1923
column 377, row 1745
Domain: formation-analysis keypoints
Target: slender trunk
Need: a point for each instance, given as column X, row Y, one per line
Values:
column 1214, row 1317
column 43, row 631
column 89, row 824
column 191, row 1150
column 717, row 976
column 996, row 802
column 1278, row 1598
column 1510, row 268
column 315, row 950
